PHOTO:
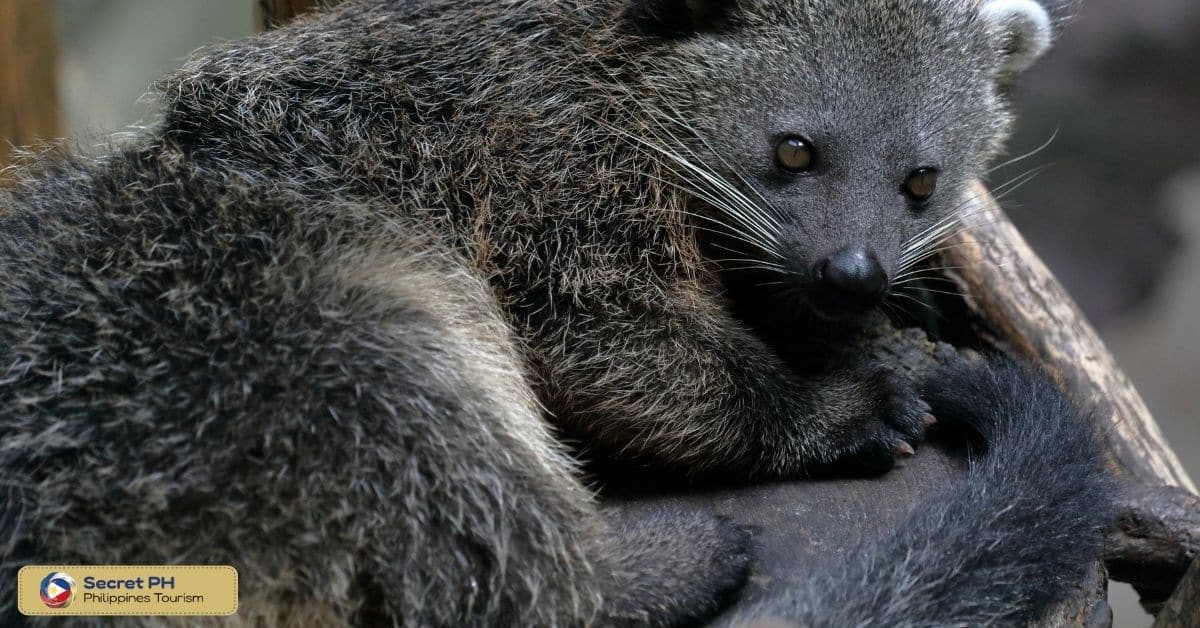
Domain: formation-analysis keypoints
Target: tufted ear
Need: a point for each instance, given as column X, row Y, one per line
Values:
column 1023, row 31
column 678, row 17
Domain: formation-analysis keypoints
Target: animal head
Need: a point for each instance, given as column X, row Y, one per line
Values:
column 830, row 142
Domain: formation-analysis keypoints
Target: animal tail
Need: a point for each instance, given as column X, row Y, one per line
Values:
column 999, row 547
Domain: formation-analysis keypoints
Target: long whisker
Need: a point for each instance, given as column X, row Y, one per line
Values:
column 741, row 209
column 927, row 243
column 677, row 119
column 919, row 278
column 751, row 222
column 749, row 211
column 935, row 291
column 919, row 302
column 752, row 238
column 1029, row 154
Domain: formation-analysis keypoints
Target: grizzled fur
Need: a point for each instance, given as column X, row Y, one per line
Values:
column 314, row 325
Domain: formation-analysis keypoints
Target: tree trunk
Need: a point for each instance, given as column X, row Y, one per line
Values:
column 28, row 71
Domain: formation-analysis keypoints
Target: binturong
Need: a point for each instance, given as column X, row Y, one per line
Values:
column 334, row 319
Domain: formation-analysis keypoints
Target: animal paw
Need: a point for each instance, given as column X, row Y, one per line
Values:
column 899, row 420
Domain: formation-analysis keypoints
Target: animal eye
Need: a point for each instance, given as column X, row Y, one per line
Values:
column 921, row 184
column 795, row 154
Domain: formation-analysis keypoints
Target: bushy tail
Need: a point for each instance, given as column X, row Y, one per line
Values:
column 999, row 547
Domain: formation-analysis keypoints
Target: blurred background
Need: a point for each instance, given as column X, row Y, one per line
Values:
column 1115, row 210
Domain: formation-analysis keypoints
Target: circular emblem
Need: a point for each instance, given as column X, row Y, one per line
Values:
column 58, row 589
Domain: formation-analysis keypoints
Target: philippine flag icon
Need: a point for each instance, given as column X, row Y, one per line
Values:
column 58, row 589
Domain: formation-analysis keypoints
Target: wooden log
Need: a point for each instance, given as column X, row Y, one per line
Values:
column 29, row 109
column 271, row 13
column 1022, row 307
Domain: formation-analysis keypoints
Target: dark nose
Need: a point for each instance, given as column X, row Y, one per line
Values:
column 853, row 272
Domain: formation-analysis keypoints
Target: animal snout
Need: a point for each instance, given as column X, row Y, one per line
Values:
column 852, row 272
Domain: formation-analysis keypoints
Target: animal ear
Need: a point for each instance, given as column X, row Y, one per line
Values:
column 678, row 17
column 1023, row 31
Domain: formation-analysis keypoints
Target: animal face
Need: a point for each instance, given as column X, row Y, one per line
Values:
column 829, row 142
